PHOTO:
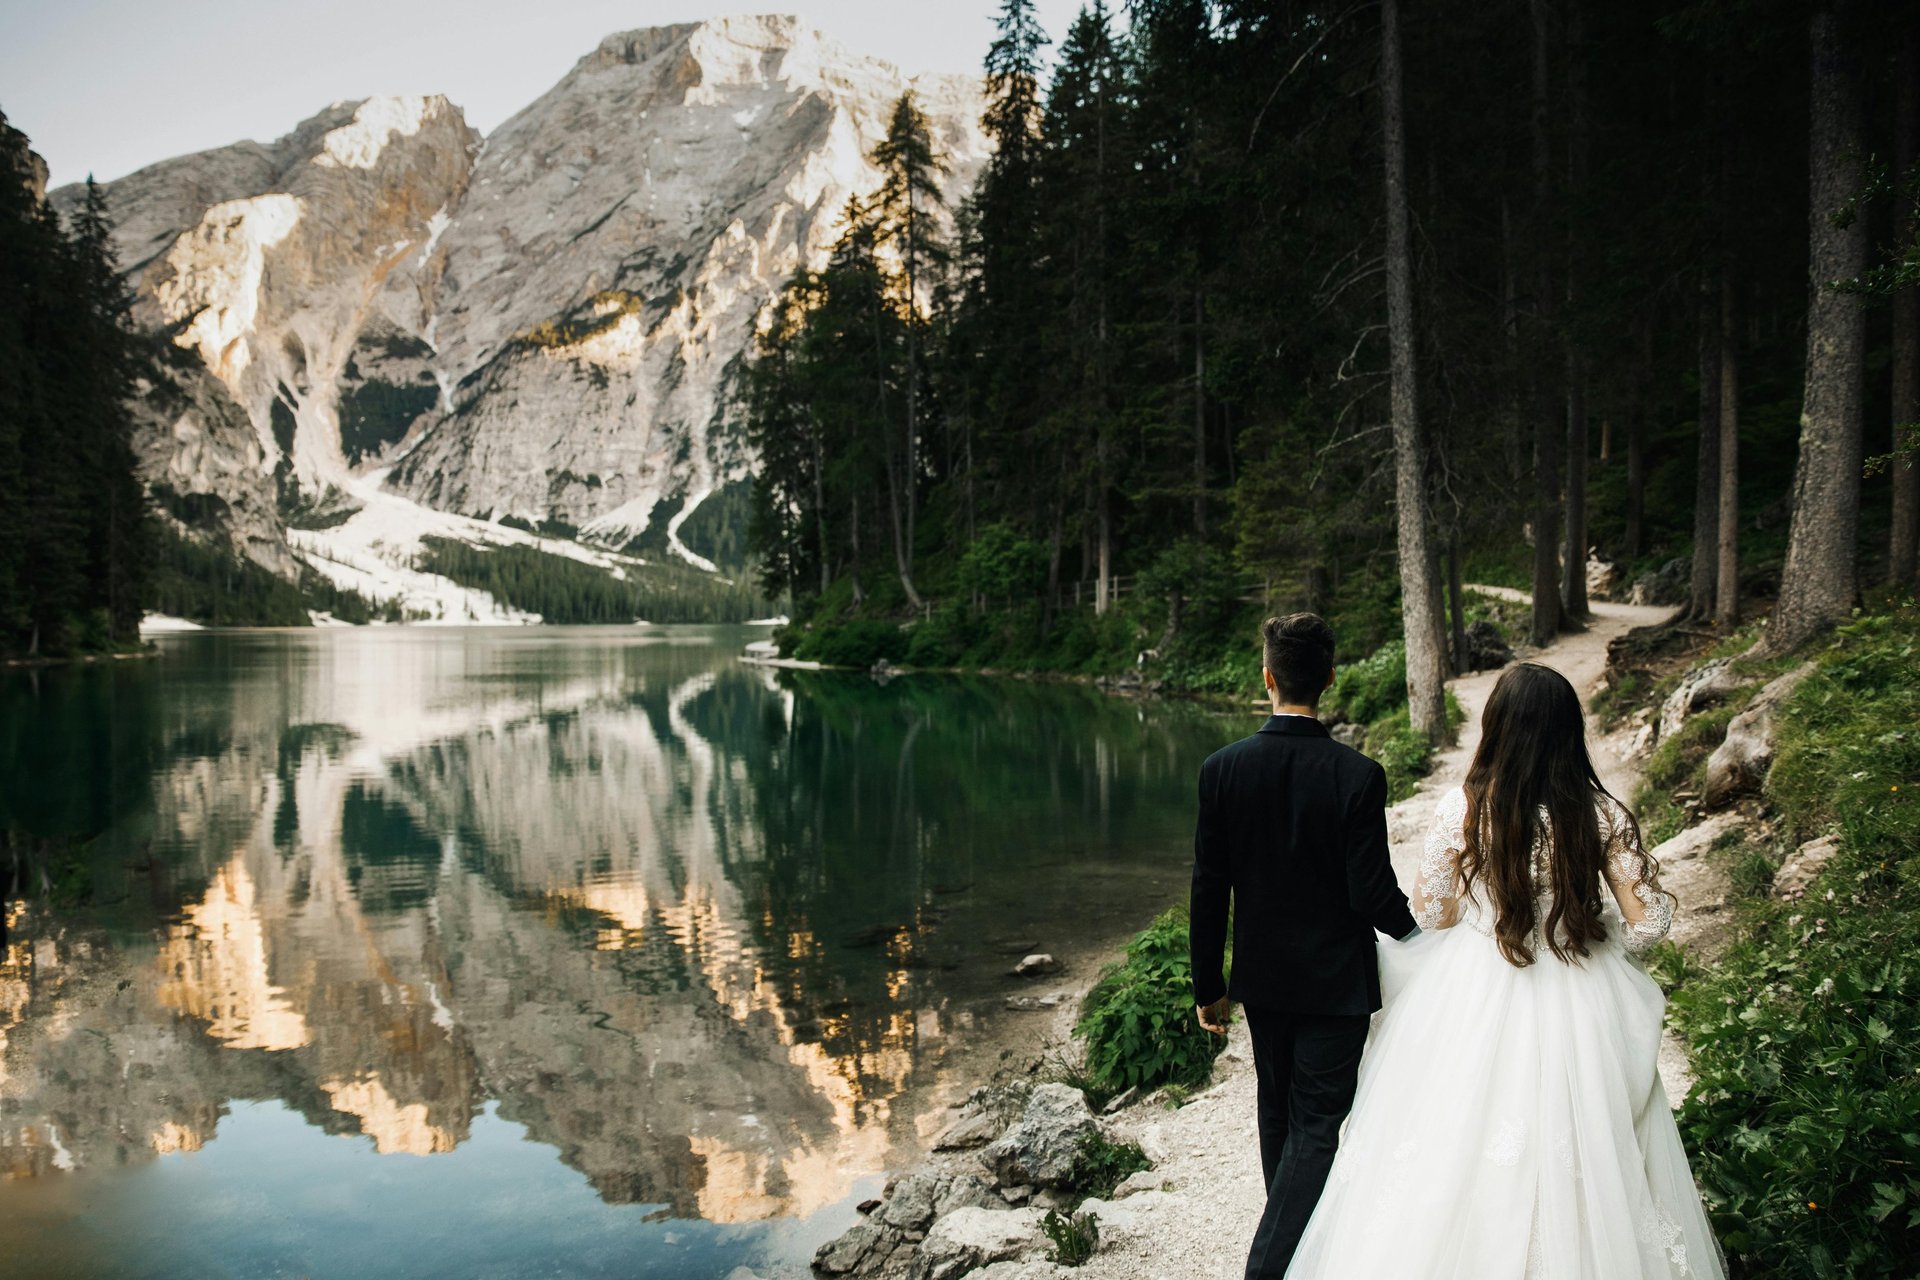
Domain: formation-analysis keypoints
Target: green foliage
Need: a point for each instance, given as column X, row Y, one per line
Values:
column 859, row 643
column 1000, row 564
column 1751, row 874
column 1072, row 1237
column 1402, row 750
column 1372, row 688
column 1104, row 1164
column 1804, row 1122
column 206, row 583
column 1138, row 1020
column 564, row 591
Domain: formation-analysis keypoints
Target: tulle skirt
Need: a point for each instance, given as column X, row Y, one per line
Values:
column 1510, row 1124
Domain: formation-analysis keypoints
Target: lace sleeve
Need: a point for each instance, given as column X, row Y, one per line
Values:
column 1645, row 907
column 1436, row 889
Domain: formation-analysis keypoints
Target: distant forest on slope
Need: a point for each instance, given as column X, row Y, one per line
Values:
column 1271, row 305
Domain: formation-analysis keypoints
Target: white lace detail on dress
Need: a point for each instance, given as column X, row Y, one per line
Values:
column 1435, row 890
column 1628, row 866
column 1658, row 1228
column 1509, row 1143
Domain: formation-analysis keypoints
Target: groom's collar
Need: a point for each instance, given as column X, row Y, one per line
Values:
column 1298, row 726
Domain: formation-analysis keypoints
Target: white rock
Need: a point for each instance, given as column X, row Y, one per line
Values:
column 1741, row 761
column 1036, row 964
column 1797, row 872
column 967, row 1239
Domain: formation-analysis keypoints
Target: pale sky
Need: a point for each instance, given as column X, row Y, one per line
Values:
column 112, row 85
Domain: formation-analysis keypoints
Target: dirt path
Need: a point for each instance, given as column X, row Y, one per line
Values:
column 1207, row 1193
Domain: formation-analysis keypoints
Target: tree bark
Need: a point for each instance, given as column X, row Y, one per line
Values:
column 1903, row 549
column 1637, row 411
column 1199, row 416
column 1817, row 587
column 1706, row 475
column 1727, row 574
column 1547, row 427
column 1456, row 597
column 1421, row 621
column 1574, row 579
column 1574, row 575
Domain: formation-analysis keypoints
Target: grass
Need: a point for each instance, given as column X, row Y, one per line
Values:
column 1804, row 1122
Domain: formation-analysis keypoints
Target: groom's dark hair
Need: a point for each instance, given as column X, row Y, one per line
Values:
column 1299, row 652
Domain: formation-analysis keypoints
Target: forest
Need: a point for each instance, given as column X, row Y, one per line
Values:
column 1260, row 306
column 75, row 542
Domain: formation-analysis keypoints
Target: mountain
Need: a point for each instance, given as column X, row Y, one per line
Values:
column 384, row 326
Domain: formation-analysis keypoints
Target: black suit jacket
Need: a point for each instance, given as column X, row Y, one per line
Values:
column 1293, row 829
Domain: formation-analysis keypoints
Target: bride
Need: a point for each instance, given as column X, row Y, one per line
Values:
column 1510, row 1121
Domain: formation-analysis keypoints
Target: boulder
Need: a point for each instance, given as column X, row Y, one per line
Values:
column 1601, row 575
column 1034, row 965
column 1802, row 865
column 973, row 1128
column 1704, row 686
column 1349, row 735
column 1135, row 1183
column 1668, row 584
column 968, row 1239
column 1740, row 763
column 1042, row 1148
column 1486, row 647
column 864, row 1250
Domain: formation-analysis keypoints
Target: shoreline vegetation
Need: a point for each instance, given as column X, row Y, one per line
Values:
column 1798, row 1007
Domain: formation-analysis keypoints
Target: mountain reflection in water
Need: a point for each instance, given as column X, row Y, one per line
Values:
column 717, row 935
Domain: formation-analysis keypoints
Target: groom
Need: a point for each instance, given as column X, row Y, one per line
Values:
column 1293, row 831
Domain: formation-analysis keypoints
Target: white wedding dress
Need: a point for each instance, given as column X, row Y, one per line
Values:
column 1510, row 1122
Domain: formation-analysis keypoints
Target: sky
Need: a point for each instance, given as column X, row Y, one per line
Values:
column 107, row 86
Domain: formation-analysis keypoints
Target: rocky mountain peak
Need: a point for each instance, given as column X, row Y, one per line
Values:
column 544, row 326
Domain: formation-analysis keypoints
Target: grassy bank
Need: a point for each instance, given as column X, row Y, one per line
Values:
column 1804, row 1123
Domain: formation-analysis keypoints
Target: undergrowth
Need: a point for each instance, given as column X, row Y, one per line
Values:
column 1138, row 1022
column 1804, row 1123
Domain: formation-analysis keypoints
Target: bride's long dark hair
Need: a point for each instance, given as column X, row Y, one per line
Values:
column 1533, row 753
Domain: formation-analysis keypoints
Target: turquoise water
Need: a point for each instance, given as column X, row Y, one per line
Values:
column 539, row 951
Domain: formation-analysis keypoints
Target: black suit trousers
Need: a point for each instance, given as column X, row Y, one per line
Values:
column 1308, row 1066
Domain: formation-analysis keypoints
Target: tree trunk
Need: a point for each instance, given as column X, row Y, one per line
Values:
column 1706, row 475
column 1104, row 515
column 820, row 507
column 1637, row 411
column 1574, row 575
column 1903, row 558
column 1547, row 428
column 1421, row 621
column 1199, row 416
column 859, row 596
column 1727, row 574
column 1817, row 587
column 1457, row 598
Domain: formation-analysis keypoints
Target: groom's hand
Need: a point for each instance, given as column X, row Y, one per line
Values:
column 1214, row 1016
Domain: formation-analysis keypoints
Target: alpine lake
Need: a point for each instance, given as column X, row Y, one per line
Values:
column 535, row 951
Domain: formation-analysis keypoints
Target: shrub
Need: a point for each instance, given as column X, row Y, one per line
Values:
column 1138, row 1021
column 1072, row 1236
column 859, row 643
column 1104, row 1164
column 1372, row 688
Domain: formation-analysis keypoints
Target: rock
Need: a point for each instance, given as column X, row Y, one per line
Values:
column 968, row 1239
column 966, row 1191
column 864, row 1249
column 1740, row 763
column 866, row 1206
column 1349, row 735
column 1694, row 841
column 1135, row 1183
column 1034, row 965
column 1600, row 577
column 1802, row 865
column 1121, row 1101
column 973, row 1128
column 1016, row 1195
column 1700, row 688
column 1486, row 647
column 1042, row 1148
column 909, row 1205
column 1017, row 1271
column 1666, row 585
column 1034, row 1004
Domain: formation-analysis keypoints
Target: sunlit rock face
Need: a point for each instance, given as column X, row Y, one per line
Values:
column 545, row 325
